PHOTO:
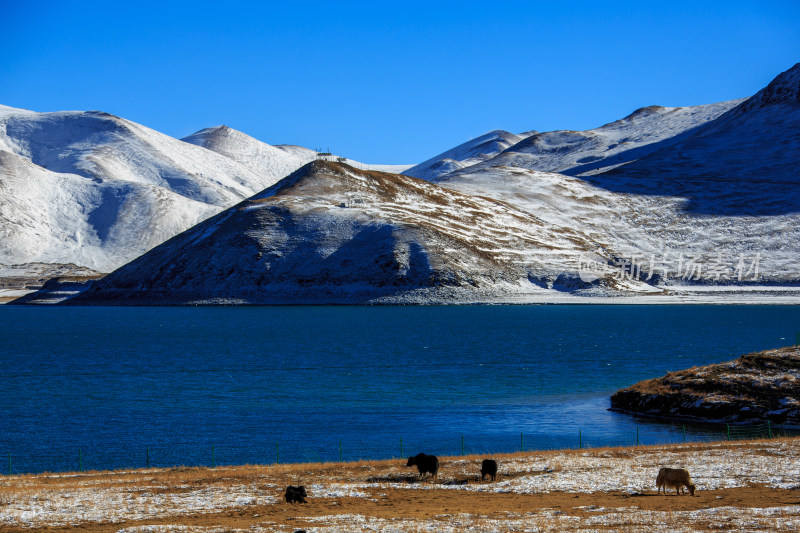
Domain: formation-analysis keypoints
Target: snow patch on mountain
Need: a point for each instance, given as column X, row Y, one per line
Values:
column 271, row 163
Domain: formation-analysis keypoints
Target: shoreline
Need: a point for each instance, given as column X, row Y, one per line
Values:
column 737, row 299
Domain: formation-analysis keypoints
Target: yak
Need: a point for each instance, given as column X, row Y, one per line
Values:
column 295, row 494
column 488, row 468
column 676, row 478
column 425, row 463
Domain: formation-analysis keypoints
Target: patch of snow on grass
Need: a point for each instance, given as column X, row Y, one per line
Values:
column 64, row 508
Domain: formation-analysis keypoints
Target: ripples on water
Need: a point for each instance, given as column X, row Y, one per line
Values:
column 116, row 387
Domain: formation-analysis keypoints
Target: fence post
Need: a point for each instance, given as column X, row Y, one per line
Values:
column 147, row 455
column 769, row 429
column 728, row 428
column 580, row 439
column 521, row 444
column 637, row 435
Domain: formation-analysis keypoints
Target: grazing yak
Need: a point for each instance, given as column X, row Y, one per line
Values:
column 678, row 478
column 295, row 494
column 488, row 468
column 425, row 463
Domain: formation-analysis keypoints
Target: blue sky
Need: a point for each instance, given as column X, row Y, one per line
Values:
column 393, row 82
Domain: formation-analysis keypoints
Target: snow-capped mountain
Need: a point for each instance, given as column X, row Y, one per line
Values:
column 275, row 161
column 95, row 190
column 588, row 152
column 668, row 201
column 659, row 236
column 744, row 162
column 466, row 154
column 63, row 217
column 717, row 194
column 100, row 146
column 263, row 159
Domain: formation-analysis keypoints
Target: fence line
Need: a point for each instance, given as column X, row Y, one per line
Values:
column 108, row 456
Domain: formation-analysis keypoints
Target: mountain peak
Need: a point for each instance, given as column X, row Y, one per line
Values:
column 783, row 90
column 207, row 136
column 473, row 151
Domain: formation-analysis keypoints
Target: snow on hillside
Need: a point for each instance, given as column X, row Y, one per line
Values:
column 588, row 152
column 717, row 204
column 654, row 233
column 666, row 199
column 57, row 217
column 742, row 163
column 100, row 146
column 466, row 154
column 335, row 234
column 277, row 162
column 96, row 191
column 270, row 162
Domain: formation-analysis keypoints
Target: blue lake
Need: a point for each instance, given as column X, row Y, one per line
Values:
column 106, row 387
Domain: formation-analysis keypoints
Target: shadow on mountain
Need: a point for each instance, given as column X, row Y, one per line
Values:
column 627, row 156
column 743, row 163
column 711, row 195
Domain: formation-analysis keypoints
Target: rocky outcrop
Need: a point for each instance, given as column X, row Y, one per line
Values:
column 757, row 387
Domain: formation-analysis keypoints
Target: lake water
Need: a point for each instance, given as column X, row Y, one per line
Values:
column 105, row 387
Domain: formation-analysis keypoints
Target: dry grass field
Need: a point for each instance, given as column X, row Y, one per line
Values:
column 741, row 486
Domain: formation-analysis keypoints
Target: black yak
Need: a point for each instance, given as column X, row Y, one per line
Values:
column 296, row 494
column 488, row 468
column 425, row 463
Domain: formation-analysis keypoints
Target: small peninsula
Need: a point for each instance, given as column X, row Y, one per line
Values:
column 755, row 388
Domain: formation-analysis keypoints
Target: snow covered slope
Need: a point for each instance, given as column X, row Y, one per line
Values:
column 61, row 217
column 330, row 233
column 745, row 162
column 277, row 162
column 655, row 234
column 587, row 152
column 713, row 204
column 100, row 146
column 95, row 190
column 466, row 154
column 667, row 201
column 269, row 161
